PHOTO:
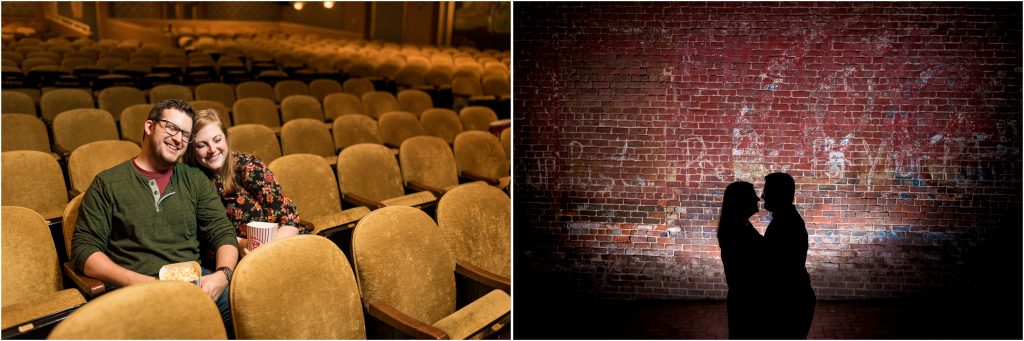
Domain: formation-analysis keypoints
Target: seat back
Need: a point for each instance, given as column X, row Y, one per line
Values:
column 369, row 171
column 70, row 219
column 153, row 310
column 220, row 92
column 15, row 102
column 414, row 101
column 442, row 123
column 377, row 103
column 476, row 222
column 506, row 143
column 350, row 130
column 115, row 99
column 56, row 101
column 477, row 118
column 321, row 88
column 358, row 86
column 30, row 268
column 254, row 89
column 308, row 180
column 222, row 111
column 133, row 120
column 283, row 89
column 336, row 105
column 169, row 91
column 397, row 126
column 497, row 86
column 254, row 110
column 325, row 306
column 92, row 158
column 301, row 106
column 74, row 128
column 305, row 135
column 481, row 153
column 401, row 259
column 466, row 86
column 24, row 132
column 34, row 180
column 255, row 139
column 428, row 160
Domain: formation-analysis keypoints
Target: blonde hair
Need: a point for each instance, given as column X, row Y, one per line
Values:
column 226, row 173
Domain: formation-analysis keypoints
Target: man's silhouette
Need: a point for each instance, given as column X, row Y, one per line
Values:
column 742, row 252
column 790, row 298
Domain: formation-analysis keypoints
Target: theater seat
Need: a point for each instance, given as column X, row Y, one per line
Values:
column 481, row 158
column 115, row 99
column 442, row 123
column 255, row 139
column 32, row 284
column 169, row 91
column 377, row 103
column 350, row 130
column 358, row 86
column 308, row 136
column 286, row 88
column 309, row 181
column 153, row 310
column 506, row 143
column 407, row 279
column 321, row 88
column 326, row 305
column 222, row 111
column 398, row 126
column 74, row 128
column 336, row 105
column 220, row 92
column 15, row 102
column 34, row 180
column 255, row 110
column 477, row 118
column 60, row 100
column 428, row 165
column 414, row 102
column 254, row 89
column 476, row 222
column 368, row 175
column 133, row 120
column 301, row 106
column 25, row 132
column 92, row 158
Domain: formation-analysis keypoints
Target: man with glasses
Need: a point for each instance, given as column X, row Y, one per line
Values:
column 151, row 211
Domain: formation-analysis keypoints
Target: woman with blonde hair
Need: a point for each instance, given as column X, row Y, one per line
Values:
column 246, row 187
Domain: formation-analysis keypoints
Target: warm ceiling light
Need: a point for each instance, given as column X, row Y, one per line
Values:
column 297, row 5
column 328, row 4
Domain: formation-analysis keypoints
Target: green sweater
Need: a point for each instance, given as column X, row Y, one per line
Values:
column 121, row 217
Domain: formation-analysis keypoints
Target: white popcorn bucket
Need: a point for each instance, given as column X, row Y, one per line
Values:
column 259, row 233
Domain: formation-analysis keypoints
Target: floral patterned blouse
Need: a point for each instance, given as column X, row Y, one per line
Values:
column 259, row 198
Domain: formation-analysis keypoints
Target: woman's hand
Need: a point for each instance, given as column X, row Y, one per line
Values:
column 286, row 231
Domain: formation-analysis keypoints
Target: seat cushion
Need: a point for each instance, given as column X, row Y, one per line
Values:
column 476, row 315
column 40, row 306
column 339, row 218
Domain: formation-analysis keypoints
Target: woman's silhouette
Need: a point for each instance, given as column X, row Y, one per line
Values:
column 790, row 297
column 742, row 249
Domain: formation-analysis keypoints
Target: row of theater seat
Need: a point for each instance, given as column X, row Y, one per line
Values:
column 398, row 253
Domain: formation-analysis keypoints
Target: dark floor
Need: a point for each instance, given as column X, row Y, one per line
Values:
column 867, row 319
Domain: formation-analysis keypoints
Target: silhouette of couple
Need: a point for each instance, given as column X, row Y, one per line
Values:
column 770, row 294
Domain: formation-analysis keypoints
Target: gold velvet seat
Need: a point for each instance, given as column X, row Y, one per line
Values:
column 349, row 130
column 377, row 103
column 133, row 120
column 33, row 179
column 498, row 86
column 255, row 139
column 254, row 89
column 414, row 101
column 222, row 112
column 358, row 86
column 506, row 143
column 153, row 310
column 266, row 304
column 307, row 136
column 321, row 88
column 301, row 106
column 428, row 165
column 76, row 127
column 407, row 279
column 368, row 175
column 476, row 222
column 442, row 123
column 92, row 158
column 477, row 118
column 254, row 110
column 283, row 89
column 15, row 102
column 115, row 99
column 169, row 91
column 480, row 157
column 32, row 284
column 340, row 104
column 398, row 126
column 309, row 181
column 54, row 102
column 25, row 132
column 220, row 92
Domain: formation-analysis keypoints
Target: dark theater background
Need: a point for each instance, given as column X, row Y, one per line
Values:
column 901, row 123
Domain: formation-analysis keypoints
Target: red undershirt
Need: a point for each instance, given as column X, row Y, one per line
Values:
column 162, row 178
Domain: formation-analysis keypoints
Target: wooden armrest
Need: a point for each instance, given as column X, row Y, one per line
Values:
column 89, row 286
column 307, row 225
column 483, row 276
column 361, row 201
column 417, row 186
column 405, row 323
column 64, row 153
column 479, row 177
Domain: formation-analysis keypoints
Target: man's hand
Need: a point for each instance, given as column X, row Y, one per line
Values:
column 214, row 284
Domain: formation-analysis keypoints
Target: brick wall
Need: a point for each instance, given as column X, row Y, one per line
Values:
column 901, row 123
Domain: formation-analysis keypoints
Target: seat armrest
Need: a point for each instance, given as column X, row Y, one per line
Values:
column 72, row 193
column 417, row 186
column 483, row 276
column 63, row 153
column 479, row 177
column 361, row 201
column 306, row 225
column 414, row 328
column 90, row 287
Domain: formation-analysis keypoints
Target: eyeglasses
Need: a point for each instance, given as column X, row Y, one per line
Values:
column 173, row 129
